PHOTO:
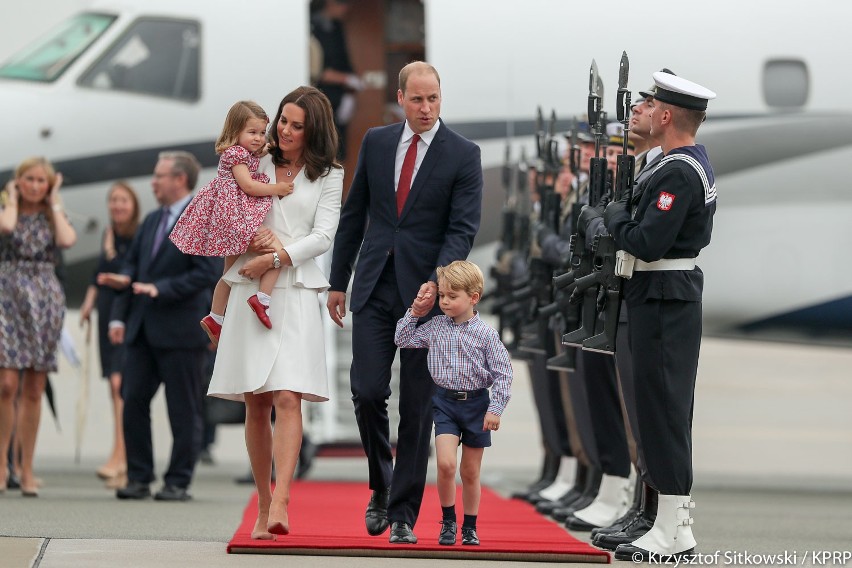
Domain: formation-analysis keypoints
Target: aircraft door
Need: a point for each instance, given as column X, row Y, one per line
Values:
column 382, row 36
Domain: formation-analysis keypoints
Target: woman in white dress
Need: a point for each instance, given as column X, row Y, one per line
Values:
column 282, row 366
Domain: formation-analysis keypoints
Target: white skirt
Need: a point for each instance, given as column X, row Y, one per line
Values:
column 290, row 356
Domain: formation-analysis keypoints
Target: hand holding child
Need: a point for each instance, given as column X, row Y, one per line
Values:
column 425, row 299
column 491, row 422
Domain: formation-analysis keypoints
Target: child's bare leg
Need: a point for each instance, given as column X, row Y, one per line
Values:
column 471, row 464
column 222, row 290
column 446, row 453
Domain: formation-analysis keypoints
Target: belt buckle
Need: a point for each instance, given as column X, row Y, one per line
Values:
column 461, row 395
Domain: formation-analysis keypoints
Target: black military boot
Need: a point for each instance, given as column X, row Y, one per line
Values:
column 580, row 480
column 549, row 470
column 590, row 491
column 612, row 500
column 627, row 517
column 670, row 539
column 640, row 524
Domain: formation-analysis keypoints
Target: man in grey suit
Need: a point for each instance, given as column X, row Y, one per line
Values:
column 414, row 204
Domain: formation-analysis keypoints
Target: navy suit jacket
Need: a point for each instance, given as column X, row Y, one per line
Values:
column 184, row 283
column 437, row 224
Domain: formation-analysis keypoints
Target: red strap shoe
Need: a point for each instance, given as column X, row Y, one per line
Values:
column 212, row 328
column 259, row 311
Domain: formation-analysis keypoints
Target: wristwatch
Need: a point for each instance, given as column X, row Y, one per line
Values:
column 276, row 260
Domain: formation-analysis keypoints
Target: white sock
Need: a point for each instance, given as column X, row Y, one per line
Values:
column 264, row 298
column 217, row 318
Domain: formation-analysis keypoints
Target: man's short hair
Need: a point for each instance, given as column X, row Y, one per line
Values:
column 462, row 275
column 183, row 163
column 416, row 68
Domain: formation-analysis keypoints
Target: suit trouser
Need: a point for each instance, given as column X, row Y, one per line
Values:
column 181, row 371
column 373, row 351
column 665, row 337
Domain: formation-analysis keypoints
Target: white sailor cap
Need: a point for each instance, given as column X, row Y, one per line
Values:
column 680, row 92
column 614, row 129
column 615, row 134
column 650, row 91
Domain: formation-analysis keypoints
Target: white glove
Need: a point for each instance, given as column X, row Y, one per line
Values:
column 346, row 109
column 354, row 82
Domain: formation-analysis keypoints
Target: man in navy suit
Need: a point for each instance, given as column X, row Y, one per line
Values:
column 158, row 319
column 414, row 204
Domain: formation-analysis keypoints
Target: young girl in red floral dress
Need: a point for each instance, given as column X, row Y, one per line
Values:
column 224, row 215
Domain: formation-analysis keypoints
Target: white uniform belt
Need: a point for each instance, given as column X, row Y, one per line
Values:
column 665, row 264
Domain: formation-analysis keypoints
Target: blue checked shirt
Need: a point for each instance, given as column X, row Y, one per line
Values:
column 462, row 356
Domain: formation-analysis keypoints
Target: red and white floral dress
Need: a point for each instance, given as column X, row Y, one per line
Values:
column 221, row 219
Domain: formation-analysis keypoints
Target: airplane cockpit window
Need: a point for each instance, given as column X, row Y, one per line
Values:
column 153, row 57
column 47, row 59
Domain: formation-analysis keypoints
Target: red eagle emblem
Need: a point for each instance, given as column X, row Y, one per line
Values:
column 664, row 202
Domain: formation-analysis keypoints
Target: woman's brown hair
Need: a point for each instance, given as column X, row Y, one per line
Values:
column 131, row 227
column 320, row 149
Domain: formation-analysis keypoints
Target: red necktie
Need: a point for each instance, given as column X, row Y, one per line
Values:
column 406, row 174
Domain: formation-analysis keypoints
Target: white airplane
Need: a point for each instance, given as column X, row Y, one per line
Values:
column 125, row 79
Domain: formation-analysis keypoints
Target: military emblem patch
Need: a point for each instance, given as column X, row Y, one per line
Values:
column 664, row 202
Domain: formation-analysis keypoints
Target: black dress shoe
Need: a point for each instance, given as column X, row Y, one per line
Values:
column 469, row 536
column 618, row 525
column 401, row 534
column 448, row 533
column 636, row 527
column 639, row 527
column 563, row 513
column 172, row 493
column 566, row 500
column 134, row 490
column 376, row 517
column 575, row 523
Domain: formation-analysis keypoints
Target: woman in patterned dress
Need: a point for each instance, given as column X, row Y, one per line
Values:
column 32, row 304
column 124, row 214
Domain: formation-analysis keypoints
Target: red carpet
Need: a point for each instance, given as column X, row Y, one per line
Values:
column 327, row 518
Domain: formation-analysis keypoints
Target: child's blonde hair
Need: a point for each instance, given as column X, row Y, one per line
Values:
column 462, row 275
column 238, row 116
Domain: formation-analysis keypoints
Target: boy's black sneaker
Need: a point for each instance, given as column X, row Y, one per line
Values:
column 448, row 533
column 469, row 536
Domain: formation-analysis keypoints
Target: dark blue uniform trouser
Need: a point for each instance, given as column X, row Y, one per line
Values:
column 182, row 373
column 373, row 351
column 665, row 337
column 605, row 419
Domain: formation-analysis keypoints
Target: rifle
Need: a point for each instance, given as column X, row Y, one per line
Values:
column 581, row 259
column 510, row 272
column 605, row 250
column 536, row 334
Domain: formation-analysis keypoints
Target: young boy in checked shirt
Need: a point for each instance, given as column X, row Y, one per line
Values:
column 466, row 357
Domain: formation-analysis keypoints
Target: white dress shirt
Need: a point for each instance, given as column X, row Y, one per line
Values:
column 422, row 146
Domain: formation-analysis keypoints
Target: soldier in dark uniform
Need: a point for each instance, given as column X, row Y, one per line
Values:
column 640, row 517
column 601, row 484
column 665, row 231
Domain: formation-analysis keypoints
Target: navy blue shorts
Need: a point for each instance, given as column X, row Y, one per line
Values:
column 462, row 418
